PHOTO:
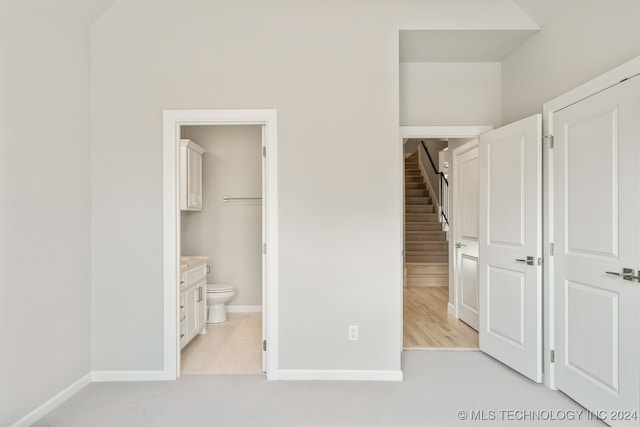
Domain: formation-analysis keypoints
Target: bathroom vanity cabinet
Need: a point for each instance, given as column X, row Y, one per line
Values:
column 193, row 303
column 190, row 175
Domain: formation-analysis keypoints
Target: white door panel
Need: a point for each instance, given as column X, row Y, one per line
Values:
column 510, row 232
column 596, row 229
column 466, row 232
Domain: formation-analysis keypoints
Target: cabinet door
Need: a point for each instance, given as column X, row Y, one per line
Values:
column 183, row 320
column 202, row 306
column 192, row 312
column 194, row 179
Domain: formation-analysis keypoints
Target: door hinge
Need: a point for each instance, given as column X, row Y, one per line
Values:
column 539, row 261
column 550, row 138
column 264, row 248
column 552, row 356
column 264, row 151
column 552, row 249
column 264, row 345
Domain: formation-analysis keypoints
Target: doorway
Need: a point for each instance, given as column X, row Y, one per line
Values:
column 430, row 309
column 225, row 232
column 174, row 121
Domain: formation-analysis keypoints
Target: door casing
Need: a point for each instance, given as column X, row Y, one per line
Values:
column 598, row 84
column 450, row 132
column 172, row 121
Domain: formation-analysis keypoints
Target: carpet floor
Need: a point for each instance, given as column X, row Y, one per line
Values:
column 440, row 388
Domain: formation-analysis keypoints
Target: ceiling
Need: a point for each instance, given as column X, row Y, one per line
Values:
column 460, row 45
column 475, row 45
column 541, row 11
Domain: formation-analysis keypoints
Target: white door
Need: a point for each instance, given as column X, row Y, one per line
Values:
column 465, row 228
column 510, row 271
column 596, row 215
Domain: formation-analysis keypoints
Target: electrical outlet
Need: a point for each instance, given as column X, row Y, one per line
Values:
column 353, row 332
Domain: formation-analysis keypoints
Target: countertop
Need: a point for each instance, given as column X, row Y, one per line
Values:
column 187, row 262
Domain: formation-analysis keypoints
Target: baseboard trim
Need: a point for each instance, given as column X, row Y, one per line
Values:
column 244, row 309
column 338, row 375
column 53, row 403
column 120, row 376
column 451, row 309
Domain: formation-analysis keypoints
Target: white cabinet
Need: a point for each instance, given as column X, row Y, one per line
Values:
column 193, row 303
column 190, row 175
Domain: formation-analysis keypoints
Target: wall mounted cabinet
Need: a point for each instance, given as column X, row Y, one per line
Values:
column 190, row 175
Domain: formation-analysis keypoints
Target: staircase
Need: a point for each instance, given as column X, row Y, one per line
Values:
column 426, row 253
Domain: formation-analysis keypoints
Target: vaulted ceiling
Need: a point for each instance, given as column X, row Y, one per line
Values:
column 476, row 45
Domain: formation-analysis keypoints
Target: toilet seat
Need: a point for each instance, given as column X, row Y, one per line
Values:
column 219, row 288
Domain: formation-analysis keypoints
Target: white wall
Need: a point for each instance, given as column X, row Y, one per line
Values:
column 586, row 39
column 44, row 200
column 230, row 234
column 330, row 68
column 451, row 93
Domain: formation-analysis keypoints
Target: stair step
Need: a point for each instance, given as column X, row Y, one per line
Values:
column 438, row 246
column 413, row 173
column 423, row 226
column 413, row 179
column 434, row 253
column 424, row 210
column 421, row 236
column 427, row 281
column 426, row 258
column 416, row 193
column 412, row 200
column 414, row 185
column 421, row 217
column 411, row 209
column 421, row 269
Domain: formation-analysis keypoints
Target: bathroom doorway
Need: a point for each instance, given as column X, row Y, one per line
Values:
column 239, row 255
column 224, row 232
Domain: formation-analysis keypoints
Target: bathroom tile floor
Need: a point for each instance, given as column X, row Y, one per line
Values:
column 232, row 347
column 427, row 325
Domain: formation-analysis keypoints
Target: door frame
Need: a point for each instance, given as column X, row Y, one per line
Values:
column 604, row 81
column 172, row 121
column 407, row 132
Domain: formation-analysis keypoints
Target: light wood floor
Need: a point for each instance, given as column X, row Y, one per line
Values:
column 232, row 347
column 427, row 323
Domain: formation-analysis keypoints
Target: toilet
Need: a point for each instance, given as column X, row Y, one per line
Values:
column 217, row 298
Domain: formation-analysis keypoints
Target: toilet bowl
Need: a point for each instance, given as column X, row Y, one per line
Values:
column 217, row 298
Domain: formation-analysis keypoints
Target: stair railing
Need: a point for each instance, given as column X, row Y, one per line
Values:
column 444, row 188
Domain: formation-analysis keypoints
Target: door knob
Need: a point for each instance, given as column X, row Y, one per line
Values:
column 528, row 261
column 459, row 245
column 627, row 274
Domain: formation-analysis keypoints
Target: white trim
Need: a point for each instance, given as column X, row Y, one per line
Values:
column 126, row 376
column 244, row 309
column 598, row 84
column 53, row 403
column 443, row 131
column 338, row 375
column 451, row 309
column 172, row 120
column 442, row 349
